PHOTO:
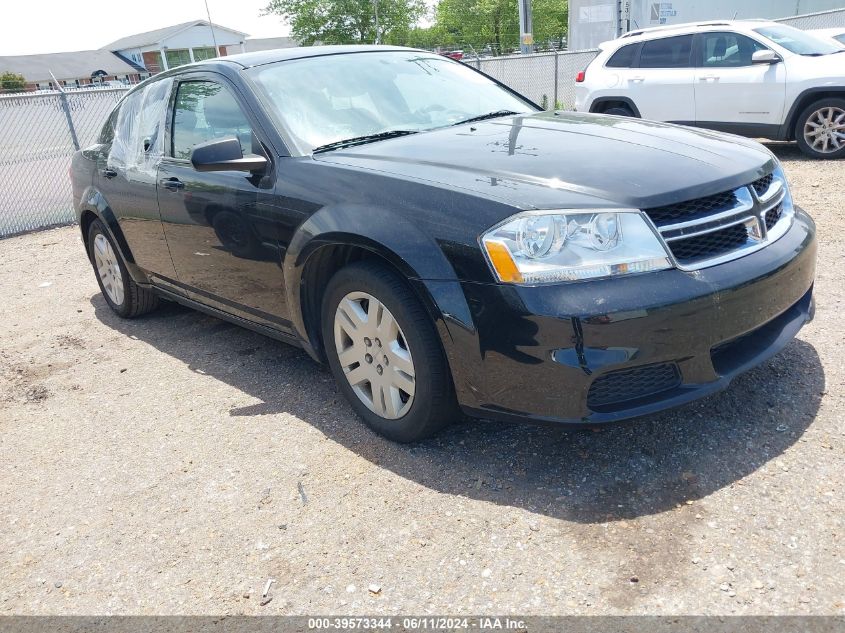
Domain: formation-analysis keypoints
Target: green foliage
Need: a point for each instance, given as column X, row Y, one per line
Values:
column 495, row 23
column 348, row 21
column 12, row 81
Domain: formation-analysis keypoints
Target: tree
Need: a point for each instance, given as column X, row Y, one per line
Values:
column 495, row 23
column 12, row 82
column 348, row 21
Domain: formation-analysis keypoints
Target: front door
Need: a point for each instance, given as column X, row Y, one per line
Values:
column 730, row 89
column 220, row 225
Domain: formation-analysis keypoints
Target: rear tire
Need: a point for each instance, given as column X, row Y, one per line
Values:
column 620, row 110
column 820, row 129
column 394, row 372
column 126, row 298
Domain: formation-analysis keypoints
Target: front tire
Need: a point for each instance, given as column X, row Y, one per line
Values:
column 385, row 354
column 126, row 298
column 820, row 129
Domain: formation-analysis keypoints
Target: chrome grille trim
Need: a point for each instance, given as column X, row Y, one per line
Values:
column 750, row 210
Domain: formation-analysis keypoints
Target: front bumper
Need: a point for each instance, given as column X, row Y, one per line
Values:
column 600, row 351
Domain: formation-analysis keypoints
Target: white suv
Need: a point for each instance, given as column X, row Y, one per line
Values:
column 754, row 78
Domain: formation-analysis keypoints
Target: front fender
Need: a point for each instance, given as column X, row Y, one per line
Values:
column 398, row 241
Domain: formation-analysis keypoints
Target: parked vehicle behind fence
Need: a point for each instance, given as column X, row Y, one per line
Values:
column 753, row 78
column 441, row 243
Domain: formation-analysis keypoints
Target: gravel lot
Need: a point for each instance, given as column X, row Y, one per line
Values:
column 175, row 463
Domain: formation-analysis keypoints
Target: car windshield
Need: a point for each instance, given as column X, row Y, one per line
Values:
column 797, row 41
column 323, row 100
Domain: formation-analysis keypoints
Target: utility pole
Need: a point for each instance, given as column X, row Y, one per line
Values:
column 526, row 27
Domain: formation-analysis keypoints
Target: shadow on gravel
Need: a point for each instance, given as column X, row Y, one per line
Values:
column 641, row 468
column 787, row 151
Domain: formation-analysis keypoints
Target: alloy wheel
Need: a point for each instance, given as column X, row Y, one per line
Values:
column 108, row 269
column 374, row 355
column 824, row 130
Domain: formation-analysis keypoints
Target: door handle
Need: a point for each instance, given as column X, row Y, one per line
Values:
column 171, row 184
column 109, row 173
column 709, row 78
column 638, row 79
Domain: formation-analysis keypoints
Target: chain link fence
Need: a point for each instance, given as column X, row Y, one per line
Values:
column 546, row 78
column 833, row 19
column 38, row 135
column 40, row 132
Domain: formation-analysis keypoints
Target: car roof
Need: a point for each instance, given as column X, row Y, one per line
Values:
column 686, row 27
column 259, row 58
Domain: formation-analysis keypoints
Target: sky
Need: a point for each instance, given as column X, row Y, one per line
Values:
column 53, row 26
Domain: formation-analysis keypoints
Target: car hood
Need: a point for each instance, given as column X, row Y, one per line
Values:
column 551, row 160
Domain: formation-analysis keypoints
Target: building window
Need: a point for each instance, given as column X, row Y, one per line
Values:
column 178, row 57
column 207, row 52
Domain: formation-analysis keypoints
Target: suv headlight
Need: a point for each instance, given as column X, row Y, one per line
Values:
column 539, row 247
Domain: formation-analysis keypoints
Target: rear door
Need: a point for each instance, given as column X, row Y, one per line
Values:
column 730, row 89
column 221, row 226
column 131, row 147
column 661, row 83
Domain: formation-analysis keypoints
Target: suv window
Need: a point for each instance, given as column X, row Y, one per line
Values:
column 725, row 50
column 623, row 58
column 137, row 137
column 669, row 52
column 204, row 111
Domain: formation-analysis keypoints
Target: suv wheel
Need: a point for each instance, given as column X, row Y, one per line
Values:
column 385, row 354
column 124, row 296
column 820, row 130
column 620, row 110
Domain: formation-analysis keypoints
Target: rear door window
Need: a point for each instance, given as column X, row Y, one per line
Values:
column 624, row 57
column 138, row 141
column 669, row 52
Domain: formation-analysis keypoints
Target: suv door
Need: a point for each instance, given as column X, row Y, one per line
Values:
column 730, row 89
column 661, row 83
column 220, row 225
column 130, row 148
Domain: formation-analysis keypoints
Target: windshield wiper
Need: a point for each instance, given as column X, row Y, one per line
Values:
column 361, row 140
column 489, row 115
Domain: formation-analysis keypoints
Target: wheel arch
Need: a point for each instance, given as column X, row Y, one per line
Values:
column 94, row 207
column 805, row 100
column 601, row 104
column 334, row 238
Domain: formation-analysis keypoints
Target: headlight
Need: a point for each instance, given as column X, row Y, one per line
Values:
column 539, row 247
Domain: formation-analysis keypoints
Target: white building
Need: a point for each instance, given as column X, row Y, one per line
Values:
column 162, row 49
column 592, row 22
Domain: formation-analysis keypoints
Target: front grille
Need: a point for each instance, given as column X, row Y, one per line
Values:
column 722, row 226
column 709, row 245
column 773, row 215
column 692, row 208
column 762, row 185
column 626, row 385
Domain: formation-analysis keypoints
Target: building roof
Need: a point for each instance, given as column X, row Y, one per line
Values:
column 140, row 40
column 73, row 65
column 254, row 44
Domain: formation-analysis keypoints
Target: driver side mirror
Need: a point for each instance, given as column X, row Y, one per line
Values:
column 225, row 154
column 764, row 57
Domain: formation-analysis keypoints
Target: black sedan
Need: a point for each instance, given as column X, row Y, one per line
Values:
column 440, row 242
